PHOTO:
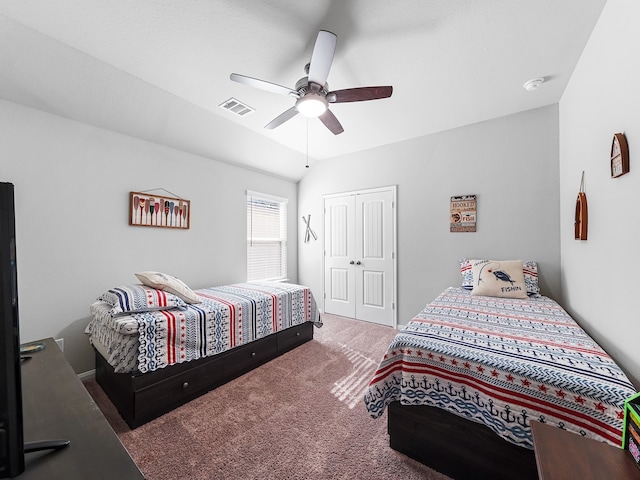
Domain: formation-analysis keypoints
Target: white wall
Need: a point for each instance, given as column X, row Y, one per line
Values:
column 72, row 184
column 510, row 163
column 599, row 276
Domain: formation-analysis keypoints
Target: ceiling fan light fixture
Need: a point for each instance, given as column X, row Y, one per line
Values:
column 312, row 105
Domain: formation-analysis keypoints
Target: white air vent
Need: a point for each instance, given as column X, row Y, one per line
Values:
column 237, row 107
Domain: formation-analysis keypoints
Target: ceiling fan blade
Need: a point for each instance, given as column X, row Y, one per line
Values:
column 359, row 94
column 322, row 57
column 331, row 122
column 263, row 85
column 280, row 119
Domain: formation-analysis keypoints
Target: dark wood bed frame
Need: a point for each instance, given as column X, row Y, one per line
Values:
column 141, row 397
column 455, row 446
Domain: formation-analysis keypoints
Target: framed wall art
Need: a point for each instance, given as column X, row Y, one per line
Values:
column 462, row 215
column 151, row 210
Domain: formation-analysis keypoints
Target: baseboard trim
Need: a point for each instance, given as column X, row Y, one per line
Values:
column 91, row 374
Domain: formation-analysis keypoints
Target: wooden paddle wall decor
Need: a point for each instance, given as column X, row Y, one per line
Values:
column 582, row 215
column 151, row 210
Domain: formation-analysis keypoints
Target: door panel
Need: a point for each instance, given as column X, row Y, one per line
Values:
column 373, row 289
column 340, row 285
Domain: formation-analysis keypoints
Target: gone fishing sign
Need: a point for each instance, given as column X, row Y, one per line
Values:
column 462, row 217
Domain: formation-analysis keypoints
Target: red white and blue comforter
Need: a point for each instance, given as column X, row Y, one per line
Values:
column 503, row 362
column 229, row 316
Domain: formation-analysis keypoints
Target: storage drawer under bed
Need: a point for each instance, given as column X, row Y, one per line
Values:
column 165, row 395
column 142, row 397
column 292, row 337
column 247, row 357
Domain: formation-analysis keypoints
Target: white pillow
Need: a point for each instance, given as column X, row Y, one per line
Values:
column 498, row 278
column 170, row 284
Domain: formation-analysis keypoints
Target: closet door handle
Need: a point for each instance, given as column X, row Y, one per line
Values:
column 358, row 262
column 351, row 262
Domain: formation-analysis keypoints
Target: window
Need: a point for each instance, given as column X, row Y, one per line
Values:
column 266, row 237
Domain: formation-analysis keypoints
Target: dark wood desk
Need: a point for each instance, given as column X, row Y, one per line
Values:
column 562, row 455
column 57, row 406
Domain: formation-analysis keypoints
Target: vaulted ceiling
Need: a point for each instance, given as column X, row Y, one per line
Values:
column 159, row 69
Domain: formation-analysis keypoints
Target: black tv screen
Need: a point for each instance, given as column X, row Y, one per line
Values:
column 11, row 429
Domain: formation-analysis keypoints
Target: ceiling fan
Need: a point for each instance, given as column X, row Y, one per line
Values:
column 312, row 92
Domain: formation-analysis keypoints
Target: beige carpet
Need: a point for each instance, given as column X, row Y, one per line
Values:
column 300, row 416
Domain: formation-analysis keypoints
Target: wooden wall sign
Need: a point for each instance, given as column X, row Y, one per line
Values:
column 150, row 210
column 462, row 216
column 619, row 155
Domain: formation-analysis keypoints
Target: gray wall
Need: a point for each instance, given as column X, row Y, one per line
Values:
column 73, row 238
column 599, row 276
column 510, row 163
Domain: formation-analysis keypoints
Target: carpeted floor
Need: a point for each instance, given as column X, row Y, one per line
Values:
column 300, row 416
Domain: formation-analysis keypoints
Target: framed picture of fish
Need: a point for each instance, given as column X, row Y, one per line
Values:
column 151, row 210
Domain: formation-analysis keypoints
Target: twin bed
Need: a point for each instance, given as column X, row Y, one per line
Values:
column 160, row 344
column 465, row 377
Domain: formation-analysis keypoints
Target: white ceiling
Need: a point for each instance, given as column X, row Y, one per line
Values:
column 159, row 69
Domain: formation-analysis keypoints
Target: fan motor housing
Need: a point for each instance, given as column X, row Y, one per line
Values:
column 303, row 87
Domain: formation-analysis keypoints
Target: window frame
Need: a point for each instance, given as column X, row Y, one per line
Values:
column 262, row 266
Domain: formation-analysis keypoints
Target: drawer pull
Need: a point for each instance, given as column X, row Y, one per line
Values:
column 253, row 354
column 297, row 334
column 185, row 385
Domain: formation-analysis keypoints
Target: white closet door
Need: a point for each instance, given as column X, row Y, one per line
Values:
column 374, row 263
column 360, row 256
column 339, row 278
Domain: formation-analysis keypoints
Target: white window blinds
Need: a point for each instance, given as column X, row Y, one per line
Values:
column 266, row 237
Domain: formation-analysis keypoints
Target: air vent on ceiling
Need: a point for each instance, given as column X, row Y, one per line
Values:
column 237, row 107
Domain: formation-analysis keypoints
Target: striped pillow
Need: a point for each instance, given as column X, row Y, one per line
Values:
column 138, row 298
column 529, row 269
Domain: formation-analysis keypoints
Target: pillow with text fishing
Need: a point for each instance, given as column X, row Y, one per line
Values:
column 498, row 278
column 529, row 269
column 170, row 284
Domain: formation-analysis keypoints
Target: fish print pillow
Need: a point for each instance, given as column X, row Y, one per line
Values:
column 529, row 269
column 498, row 278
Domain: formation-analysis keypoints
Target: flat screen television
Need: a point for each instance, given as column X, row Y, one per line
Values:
column 12, row 445
column 11, row 431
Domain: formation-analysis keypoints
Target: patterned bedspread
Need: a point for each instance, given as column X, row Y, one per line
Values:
column 502, row 362
column 229, row 316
